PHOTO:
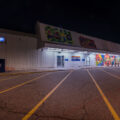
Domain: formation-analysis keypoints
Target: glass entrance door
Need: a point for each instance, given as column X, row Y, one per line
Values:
column 60, row 61
column 88, row 61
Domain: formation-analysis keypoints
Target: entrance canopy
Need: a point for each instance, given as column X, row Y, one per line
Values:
column 74, row 48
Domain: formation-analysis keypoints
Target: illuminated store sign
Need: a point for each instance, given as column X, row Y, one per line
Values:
column 2, row 39
column 58, row 35
column 66, row 59
column 75, row 58
column 87, row 43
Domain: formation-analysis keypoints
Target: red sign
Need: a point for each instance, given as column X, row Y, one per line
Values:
column 87, row 43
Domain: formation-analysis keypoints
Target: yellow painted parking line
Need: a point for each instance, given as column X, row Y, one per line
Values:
column 16, row 73
column 111, row 109
column 24, row 83
column 113, row 75
column 31, row 112
column 9, row 78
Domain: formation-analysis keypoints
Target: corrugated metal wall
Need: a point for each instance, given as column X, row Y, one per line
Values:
column 20, row 52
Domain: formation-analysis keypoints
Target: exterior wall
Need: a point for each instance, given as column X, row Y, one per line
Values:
column 49, row 59
column 19, row 52
column 45, row 59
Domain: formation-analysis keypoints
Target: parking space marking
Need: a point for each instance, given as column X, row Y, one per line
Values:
column 18, row 75
column 113, row 75
column 24, row 83
column 31, row 112
column 111, row 109
column 9, row 78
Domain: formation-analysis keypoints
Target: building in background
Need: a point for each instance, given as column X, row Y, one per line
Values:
column 54, row 47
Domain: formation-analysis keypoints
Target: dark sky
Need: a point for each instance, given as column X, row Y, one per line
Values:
column 95, row 18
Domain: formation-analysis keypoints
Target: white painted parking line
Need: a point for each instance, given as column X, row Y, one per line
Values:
column 111, row 109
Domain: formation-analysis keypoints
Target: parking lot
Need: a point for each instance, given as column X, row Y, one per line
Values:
column 84, row 94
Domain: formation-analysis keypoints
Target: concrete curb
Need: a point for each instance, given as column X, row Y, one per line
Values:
column 22, row 73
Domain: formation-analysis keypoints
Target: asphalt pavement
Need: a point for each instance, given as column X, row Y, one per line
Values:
column 84, row 94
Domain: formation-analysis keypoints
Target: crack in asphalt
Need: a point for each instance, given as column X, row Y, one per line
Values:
column 5, row 107
column 55, row 117
column 63, row 117
column 85, row 112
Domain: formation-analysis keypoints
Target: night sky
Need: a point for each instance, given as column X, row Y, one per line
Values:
column 99, row 19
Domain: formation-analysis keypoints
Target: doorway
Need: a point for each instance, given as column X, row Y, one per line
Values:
column 60, row 61
column 2, row 65
column 87, row 61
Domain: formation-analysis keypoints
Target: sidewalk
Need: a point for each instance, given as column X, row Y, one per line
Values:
column 49, row 70
column 17, row 72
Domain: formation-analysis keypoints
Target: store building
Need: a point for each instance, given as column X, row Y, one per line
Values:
column 68, row 49
column 53, row 47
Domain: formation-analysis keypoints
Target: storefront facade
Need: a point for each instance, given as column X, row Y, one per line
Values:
column 53, row 47
column 64, row 58
column 74, row 50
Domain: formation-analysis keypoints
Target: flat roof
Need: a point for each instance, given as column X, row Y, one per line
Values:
column 17, row 33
